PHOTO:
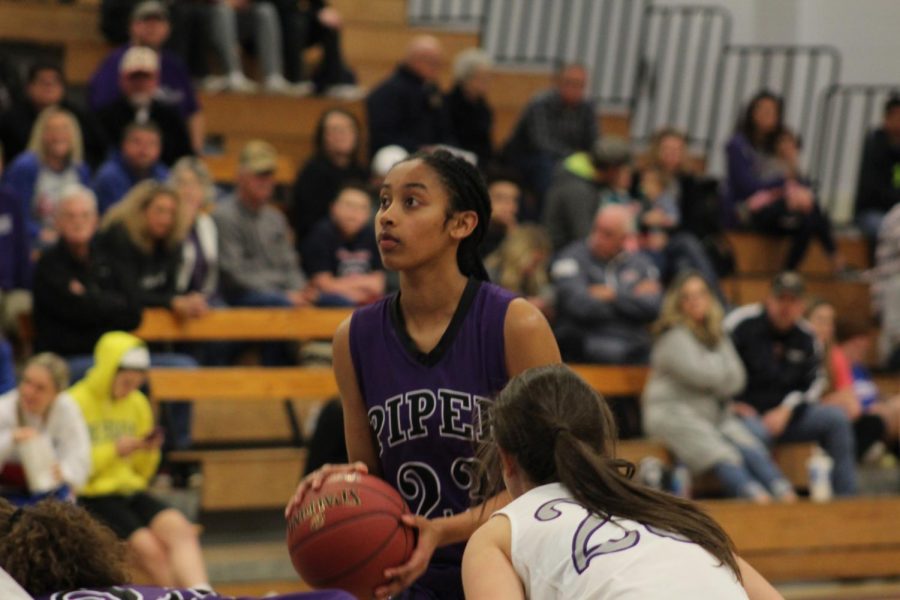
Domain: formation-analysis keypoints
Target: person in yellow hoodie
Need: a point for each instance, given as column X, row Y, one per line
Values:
column 125, row 449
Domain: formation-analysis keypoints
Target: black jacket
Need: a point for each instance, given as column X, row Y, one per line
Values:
column 878, row 187
column 152, row 276
column 70, row 323
column 407, row 111
column 778, row 364
column 471, row 124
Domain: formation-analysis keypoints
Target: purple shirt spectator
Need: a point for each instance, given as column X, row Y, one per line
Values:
column 176, row 88
column 15, row 264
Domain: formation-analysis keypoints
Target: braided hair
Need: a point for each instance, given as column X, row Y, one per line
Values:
column 467, row 190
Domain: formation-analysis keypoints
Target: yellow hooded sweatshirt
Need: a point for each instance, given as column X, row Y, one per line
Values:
column 108, row 419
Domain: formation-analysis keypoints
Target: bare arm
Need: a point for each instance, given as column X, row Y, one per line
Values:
column 487, row 570
column 528, row 338
column 755, row 585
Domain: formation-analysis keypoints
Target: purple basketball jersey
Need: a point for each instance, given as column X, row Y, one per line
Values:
column 426, row 410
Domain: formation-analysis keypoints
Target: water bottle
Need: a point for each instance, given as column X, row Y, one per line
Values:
column 680, row 481
column 651, row 472
column 819, row 468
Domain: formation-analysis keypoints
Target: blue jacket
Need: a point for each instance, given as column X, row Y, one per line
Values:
column 22, row 176
column 114, row 179
column 15, row 262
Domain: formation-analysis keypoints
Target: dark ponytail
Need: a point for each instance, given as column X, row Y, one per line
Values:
column 552, row 407
column 467, row 191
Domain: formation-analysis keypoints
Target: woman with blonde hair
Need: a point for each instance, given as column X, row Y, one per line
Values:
column 199, row 268
column 37, row 416
column 54, row 160
column 687, row 402
column 520, row 265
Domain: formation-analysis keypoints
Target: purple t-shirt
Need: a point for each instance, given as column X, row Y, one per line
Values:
column 175, row 85
column 426, row 410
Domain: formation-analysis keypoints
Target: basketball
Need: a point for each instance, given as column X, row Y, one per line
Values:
column 348, row 532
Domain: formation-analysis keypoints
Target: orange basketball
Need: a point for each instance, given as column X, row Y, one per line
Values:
column 348, row 532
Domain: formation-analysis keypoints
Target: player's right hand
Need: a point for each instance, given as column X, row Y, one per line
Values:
column 314, row 481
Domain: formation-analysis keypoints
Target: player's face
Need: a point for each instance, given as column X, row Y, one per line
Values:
column 36, row 390
column 412, row 223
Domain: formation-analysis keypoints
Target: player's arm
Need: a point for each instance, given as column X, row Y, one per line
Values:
column 361, row 446
column 528, row 338
column 487, row 570
column 755, row 585
column 360, row 443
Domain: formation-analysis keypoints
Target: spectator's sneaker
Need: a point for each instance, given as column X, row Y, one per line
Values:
column 238, row 82
column 215, row 84
column 345, row 91
column 276, row 84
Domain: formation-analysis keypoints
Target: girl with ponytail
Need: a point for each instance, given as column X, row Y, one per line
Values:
column 416, row 369
column 578, row 526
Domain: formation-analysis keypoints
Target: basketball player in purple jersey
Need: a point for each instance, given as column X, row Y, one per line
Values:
column 418, row 369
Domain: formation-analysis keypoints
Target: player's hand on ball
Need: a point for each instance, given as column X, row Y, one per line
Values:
column 403, row 576
column 314, row 481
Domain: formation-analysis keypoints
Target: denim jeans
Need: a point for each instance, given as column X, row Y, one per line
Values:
column 829, row 427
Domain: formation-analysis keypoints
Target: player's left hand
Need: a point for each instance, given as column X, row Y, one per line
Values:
column 403, row 576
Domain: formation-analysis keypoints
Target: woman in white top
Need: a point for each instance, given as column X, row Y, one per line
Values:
column 40, row 407
column 578, row 527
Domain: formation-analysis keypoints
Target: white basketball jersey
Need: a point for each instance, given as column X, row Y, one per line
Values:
column 560, row 550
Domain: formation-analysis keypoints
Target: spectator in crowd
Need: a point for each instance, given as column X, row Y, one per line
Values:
column 870, row 427
column 878, row 188
column 764, row 188
column 781, row 401
column 340, row 255
column 41, row 408
column 45, row 88
column 335, row 163
column 520, row 264
column 471, row 118
column 125, row 453
column 79, row 293
column 695, row 374
column 52, row 162
column 692, row 202
column 505, row 194
column 173, row 87
column 886, row 289
column 854, row 338
column 556, row 123
column 198, row 269
column 606, row 295
column 136, row 160
column 407, row 109
column 585, row 182
column 315, row 23
column 259, row 265
column 144, row 234
column 139, row 82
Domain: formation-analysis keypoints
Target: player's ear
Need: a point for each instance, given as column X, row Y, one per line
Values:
column 463, row 223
